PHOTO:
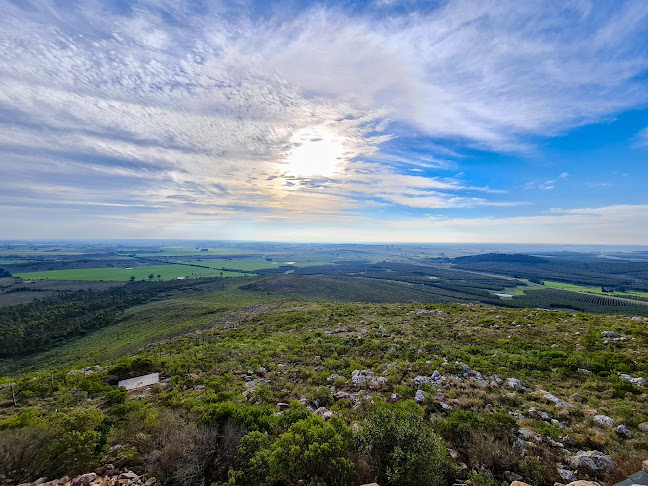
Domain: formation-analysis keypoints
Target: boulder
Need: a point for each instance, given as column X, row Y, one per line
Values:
column 594, row 463
column 515, row 384
column 420, row 396
column 519, row 483
column 583, row 483
column 623, row 431
column 609, row 334
column 567, row 475
column 603, row 421
column 643, row 426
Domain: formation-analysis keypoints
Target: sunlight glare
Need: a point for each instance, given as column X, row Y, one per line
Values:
column 317, row 152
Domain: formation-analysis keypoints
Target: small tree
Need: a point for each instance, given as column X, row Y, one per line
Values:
column 403, row 450
column 132, row 278
column 151, row 276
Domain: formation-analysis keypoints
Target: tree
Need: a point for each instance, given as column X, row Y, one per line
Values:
column 132, row 278
column 159, row 276
column 151, row 276
column 403, row 449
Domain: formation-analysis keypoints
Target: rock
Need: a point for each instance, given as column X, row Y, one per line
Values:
column 623, row 431
column 283, row 406
column 342, row 395
column 515, row 384
column 569, row 441
column 436, row 376
column 519, row 483
column 609, row 334
column 420, row 396
column 445, row 406
column 644, row 465
column 640, row 382
column 567, row 475
column 643, row 426
column 594, row 463
column 584, row 371
column 603, row 421
column 516, row 415
column 578, row 398
column 544, row 416
column 529, row 435
column 150, row 482
column 584, row 483
column 511, row 476
column 87, row 479
column 130, row 475
column 555, row 400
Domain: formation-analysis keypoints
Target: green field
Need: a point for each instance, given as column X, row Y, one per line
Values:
column 170, row 251
column 166, row 272
column 593, row 290
column 249, row 265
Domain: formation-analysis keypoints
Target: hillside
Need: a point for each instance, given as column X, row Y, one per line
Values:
column 348, row 393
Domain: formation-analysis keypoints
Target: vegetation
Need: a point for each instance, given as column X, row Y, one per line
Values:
column 216, row 418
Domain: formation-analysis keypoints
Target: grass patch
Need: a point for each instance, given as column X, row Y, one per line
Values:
column 166, row 272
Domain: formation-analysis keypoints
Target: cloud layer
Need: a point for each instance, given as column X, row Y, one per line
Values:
column 156, row 113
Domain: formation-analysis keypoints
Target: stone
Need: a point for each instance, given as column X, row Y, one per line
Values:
column 623, row 431
column 569, row 441
column 609, row 334
column 87, row 479
column 603, row 421
column 130, row 475
column 515, row 384
column 640, row 382
column 150, row 481
column 420, row 396
column 511, row 476
column 567, row 475
column 578, row 398
column 283, row 406
column 594, row 463
column 583, row 483
column 519, row 483
column 342, row 395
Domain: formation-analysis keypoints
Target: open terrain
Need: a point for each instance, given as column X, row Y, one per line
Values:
column 334, row 365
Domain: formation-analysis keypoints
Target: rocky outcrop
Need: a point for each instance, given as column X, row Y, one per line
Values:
column 106, row 476
column 594, row 463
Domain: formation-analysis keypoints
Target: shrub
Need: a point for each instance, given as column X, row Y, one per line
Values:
column 403, row 450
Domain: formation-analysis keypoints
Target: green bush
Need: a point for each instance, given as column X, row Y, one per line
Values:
column 403, row 450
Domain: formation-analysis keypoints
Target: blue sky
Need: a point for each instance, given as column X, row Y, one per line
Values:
column 440, row 121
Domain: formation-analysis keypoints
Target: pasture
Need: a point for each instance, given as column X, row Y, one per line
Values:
column 166, row 272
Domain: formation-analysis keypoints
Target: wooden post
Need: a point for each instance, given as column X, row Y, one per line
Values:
column 13, row 395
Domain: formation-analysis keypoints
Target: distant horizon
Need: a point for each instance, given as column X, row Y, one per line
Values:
column 161, row 242
column 368, row 121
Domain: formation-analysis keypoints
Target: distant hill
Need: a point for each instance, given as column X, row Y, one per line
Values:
column 501, row 257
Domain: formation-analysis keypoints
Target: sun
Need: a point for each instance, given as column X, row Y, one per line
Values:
column 316, row 151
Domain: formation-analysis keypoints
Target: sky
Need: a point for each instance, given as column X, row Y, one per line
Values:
column 353, row 121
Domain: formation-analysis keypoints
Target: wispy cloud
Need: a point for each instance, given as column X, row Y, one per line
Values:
column 176, row 108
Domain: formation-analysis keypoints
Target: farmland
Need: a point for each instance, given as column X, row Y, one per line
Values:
column 166, row 272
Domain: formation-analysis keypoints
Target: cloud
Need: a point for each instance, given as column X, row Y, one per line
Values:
column 179, row 109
